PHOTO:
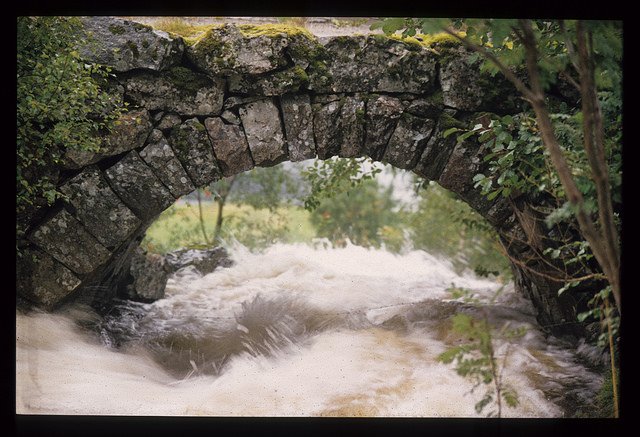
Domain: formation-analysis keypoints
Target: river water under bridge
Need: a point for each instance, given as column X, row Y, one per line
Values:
column 295, row 331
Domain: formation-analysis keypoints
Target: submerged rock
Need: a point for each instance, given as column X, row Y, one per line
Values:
column 147, row 275
column 203, row 260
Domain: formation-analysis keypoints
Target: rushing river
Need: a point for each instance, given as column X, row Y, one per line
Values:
column 295, row 331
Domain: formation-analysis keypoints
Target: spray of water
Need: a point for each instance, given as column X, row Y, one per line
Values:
column 292, row 331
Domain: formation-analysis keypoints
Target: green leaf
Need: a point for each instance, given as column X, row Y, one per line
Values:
column 583, row 316
column 449, row 355
column 449, row 131
column 464, row 136
column 510, row 397
column 493, row 195
column 486, row 400
column 434, row 25
column 500, row 29
column 391, row 25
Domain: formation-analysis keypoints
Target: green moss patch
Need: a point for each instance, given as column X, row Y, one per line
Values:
column 447, row 122
column 190, row 33
column 133, row 47
column 187, row 80
column 422, row 41
column 273, row 30
column 116, row 29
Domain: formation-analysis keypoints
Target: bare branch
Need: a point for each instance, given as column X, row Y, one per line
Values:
column 569, row 44
column 570, row 79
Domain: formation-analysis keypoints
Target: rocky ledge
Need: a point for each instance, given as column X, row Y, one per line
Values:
column 149, row 272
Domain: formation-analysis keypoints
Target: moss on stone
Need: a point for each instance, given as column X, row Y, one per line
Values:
column 212, row 47
column 145, row 43
column 299, row 74
column 442, row 39
column 133, row 47
column 190, row 33
column 437, row 98
column 273, row 30
column 116, row 29
column 422, row 41
column 447, row 122
column 187, row 80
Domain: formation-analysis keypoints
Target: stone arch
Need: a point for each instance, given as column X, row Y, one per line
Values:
column 242, row 97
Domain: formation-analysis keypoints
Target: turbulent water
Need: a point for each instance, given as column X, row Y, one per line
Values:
column 295, row 331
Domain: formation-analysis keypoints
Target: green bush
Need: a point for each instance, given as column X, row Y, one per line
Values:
column 61, row 104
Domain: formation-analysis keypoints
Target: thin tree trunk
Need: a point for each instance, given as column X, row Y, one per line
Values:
column 201, row 217
column 221, row 199
column 599, row 244
column 594, row 147
column 216, row 233
column 604, row 246
column 614, row 377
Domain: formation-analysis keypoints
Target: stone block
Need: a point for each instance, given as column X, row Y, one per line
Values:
column 226, row 50
column 298, row 126
column 66, row 239
column 262, row 126
column 376, row 63
column 168, row 122
column 382, row 115
column 270, row 84
column 138, row 187
column 230, row 146
column 43, row 280
column 125, row 45
column 177, row 90
column 351, row 127
column 192, row 146
column 159, row 156
column 408, row 141
column 129, row 132
column 99, row 209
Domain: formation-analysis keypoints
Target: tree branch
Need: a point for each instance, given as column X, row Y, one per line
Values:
column 515, row 80
column 594, row 148
column 570, row 49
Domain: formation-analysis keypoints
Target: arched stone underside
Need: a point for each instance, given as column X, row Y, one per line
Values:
column 238, row 99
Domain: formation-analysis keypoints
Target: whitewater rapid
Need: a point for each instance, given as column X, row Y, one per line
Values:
column 294, row 331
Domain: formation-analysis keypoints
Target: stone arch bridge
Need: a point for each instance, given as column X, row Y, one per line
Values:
column 245, row 96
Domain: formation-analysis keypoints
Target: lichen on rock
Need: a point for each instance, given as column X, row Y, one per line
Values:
column 192, row 146
column 262, row 126
column 137, row 186
column 179, row 90
column 125, row 45
column 230, row 146
column 98, row 208
column 374, row 64
column 129, row 132
column 298, row 125
column 159, row 156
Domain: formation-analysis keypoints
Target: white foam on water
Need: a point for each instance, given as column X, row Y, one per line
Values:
column 368, row 369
